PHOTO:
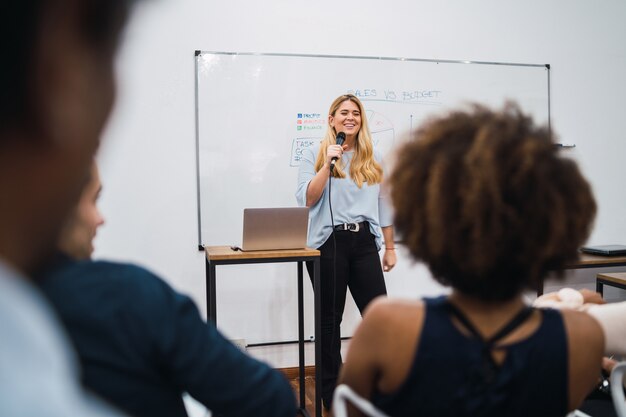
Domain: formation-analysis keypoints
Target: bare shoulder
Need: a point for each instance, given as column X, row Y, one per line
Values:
column 585, row 341
column 386, row 312
column 390, row 332
column 584, row 333
column 385, row 321
column 388, row 321
column 582, row 325
column 382, row 346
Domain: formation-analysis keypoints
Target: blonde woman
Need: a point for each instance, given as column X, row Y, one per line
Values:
column 361, row 220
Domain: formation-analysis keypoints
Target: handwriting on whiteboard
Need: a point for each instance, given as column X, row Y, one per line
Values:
column 425, row 96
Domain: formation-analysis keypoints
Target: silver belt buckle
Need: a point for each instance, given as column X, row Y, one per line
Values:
column 353, row 227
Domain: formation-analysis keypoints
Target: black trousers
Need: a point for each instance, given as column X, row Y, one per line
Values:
column 357, row 266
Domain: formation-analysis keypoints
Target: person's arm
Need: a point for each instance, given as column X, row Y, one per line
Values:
column 383, row 347
column 611, row 319
column 199, row 360
column 362, row 366
column 591, row 297
column 585, row 350
column 565, row 298
column 318, row 182
column 385, row 218
column 389, row 257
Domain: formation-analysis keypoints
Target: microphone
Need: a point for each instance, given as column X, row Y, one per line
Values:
column 341, row 138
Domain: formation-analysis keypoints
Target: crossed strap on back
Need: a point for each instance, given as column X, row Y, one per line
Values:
column 490, row 367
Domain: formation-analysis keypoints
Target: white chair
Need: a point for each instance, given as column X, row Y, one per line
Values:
column 344, row 394
column 617, row 389
column 195, row 408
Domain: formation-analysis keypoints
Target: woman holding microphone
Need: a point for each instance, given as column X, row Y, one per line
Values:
column 349, row 220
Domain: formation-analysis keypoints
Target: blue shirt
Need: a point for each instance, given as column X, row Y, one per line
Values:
column 142, row 344
column 38, row 372
column 350, row 203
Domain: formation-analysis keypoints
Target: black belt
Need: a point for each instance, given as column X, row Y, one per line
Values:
column 352, row 227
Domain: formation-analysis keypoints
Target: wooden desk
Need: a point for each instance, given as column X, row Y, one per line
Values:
column 224, row 255
column 615, row 279
column 586, row 261
column 595, row 261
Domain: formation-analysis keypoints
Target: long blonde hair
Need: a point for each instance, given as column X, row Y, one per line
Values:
column 363, row 167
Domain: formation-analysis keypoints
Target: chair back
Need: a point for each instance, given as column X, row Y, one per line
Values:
column 344, row 394
column 617, row 389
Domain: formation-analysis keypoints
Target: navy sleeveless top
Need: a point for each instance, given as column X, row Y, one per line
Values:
column 448, row 377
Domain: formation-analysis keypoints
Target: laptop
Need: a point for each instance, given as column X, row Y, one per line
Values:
column 274, row 228
column 605, row 250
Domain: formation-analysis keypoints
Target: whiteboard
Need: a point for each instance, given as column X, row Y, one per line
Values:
column 255, row 113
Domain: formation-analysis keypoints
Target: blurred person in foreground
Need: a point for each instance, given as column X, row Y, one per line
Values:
column 610, row 316
column 57, row 88
column 142, row 344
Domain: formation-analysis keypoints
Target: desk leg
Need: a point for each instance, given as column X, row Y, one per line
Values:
column 210, row 292
column 317, row 295
column 599, row 287
column 301, row 341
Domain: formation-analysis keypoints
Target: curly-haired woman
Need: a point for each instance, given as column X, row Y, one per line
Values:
column 488, row 202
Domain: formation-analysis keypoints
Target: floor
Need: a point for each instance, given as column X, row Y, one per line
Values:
column 309, row 383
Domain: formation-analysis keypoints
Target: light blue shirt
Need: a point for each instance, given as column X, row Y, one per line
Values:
column 350, row 203
column 38, row 376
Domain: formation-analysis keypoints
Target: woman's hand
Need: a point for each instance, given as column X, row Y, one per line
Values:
column 570, row 299
column 389, row 259
column 591, row 297
column 334, row 151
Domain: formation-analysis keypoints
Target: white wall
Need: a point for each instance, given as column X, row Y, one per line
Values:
column 148, row 156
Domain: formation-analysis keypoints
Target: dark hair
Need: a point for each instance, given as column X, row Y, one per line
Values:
column 488, row 202
column 100, row 23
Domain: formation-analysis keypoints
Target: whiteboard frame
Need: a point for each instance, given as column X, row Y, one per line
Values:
column 199, row 53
